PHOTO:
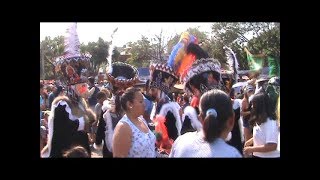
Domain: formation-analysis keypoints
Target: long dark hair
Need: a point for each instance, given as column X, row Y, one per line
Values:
column 214, row 125
column 261, row 109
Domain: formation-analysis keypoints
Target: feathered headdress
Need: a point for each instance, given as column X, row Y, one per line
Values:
column 177, row 59
column 197, row 75
column 122, row 75
column 162, row 77
column 233, row 63
column 73, row 65
column 195, row 66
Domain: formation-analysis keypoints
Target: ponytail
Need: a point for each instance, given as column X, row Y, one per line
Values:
column 216, row 109
column 212, row 126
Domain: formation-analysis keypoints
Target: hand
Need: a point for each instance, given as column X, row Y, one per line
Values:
column 248, row 143
column 247, row 150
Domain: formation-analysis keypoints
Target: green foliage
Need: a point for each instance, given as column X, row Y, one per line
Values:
column 115, row 54
column 99, row 51
column 257, row 37
column 49, row 50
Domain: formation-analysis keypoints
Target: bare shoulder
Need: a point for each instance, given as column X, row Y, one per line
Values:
column 123, row 128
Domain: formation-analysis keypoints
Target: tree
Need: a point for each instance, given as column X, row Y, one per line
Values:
column 115, row 54
column 159, row 46
column 49, row 50
column 140, row 52
column 99, row 51
column 264, row 37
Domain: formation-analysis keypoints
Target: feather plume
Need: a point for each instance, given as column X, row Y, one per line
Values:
column 71, row 42
column 232, row 61
column 111, row 47
column 179, row 50
column 193, row 51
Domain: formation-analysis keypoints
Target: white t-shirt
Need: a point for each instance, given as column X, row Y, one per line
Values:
column 264, row 133
column 192, row 144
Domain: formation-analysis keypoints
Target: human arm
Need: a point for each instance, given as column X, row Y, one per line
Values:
column 121, row 140
column 263, row 148
column 249, row 142
column 244, row 108
column 271, row 139
column 91, row 91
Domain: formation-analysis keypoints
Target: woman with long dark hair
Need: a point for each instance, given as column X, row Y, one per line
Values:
column 217, row 117
column 264, row 142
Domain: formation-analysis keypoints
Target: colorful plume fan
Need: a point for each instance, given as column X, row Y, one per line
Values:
column 179, row 51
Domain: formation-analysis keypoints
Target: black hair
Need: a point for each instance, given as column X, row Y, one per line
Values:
column 91, row 80
column 196, row 81
column 101, row 95
column 128, row 95
column 261, row 109
column 41, row 85
column 221, row 103
column 76, row 152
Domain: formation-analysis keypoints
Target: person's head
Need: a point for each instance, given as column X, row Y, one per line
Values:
column 132, row 102
column 153, row 92
column 216, row 114
column 50, row 88
column 261, row 108
column 59, row 90
column 100, row 77
column 54, row 89
column 248, row 91
column 76, row 152
column 91, row 81
column 101, row 96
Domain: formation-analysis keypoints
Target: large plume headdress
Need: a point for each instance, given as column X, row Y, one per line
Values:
column 122, row 75
column 194, row 65
column 233, row 64
column 165, row 75
column 73, row 65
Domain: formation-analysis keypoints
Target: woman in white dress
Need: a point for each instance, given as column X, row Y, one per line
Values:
column 132, row 137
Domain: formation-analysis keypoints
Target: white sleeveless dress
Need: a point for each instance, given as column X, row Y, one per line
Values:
column 142, row 144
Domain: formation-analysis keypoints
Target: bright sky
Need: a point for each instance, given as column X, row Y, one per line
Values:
column 127, row 32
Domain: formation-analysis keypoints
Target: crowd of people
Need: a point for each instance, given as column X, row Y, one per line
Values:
column 114, row 114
